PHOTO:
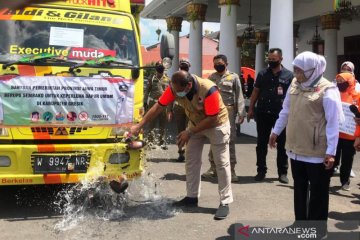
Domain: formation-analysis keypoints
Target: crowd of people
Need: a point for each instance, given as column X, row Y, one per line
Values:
column 299, row 112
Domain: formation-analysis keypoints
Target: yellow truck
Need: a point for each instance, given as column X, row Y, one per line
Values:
column 71, row 84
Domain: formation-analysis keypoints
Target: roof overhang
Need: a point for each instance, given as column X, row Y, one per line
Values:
column 161, row 9
column 303, row 9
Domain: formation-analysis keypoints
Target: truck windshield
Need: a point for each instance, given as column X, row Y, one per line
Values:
column 72, row 41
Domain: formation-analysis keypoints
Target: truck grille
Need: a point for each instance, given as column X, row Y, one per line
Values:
column 59, row 130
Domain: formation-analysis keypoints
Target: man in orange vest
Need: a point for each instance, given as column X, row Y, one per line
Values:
column 208, row 121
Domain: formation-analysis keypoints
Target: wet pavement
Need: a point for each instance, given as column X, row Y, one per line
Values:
column 145, row 212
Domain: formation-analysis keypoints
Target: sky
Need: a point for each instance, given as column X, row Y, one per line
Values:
column 148, row 28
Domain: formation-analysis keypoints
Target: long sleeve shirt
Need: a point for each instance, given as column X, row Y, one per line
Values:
column 331, row 100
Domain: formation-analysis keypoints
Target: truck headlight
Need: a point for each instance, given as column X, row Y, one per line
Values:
column 4, row 132
column 5, row 161
column 119, row 158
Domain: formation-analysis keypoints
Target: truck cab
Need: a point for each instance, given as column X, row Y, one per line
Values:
column 70, row 88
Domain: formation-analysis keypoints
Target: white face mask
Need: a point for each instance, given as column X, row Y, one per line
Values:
column 309, row 73
column 181, row 94
column 302, row 77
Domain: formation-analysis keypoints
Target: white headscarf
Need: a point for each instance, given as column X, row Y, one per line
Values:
column 323, row 63
column 308, row 61
column 349, row 64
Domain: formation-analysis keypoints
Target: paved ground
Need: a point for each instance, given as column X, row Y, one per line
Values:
column 29, row 212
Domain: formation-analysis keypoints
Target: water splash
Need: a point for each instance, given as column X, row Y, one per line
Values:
column 90, row 198
column 94, row 200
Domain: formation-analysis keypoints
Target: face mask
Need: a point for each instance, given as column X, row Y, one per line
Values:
column 219, row 67
column 184, row 68
column 181, row 94
column 343, row 86
column 309, row 73
column 160, row 69
column 300, row 77
column 303, row 76
column 273, row 64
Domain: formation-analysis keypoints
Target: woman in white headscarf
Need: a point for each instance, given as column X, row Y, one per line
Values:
column 347, row 67
column 350, row 67
column 312, row 134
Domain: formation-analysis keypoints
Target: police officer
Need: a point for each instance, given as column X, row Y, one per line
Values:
column 269, row 92
column 155, row 88
column 230, row 89
column 208, row 121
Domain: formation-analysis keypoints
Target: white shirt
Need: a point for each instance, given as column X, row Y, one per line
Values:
column 331, row 101
column 357, row 86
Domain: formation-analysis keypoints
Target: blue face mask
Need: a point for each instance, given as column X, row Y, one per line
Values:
column 181, row 94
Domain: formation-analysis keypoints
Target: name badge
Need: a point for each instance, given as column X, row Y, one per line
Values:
column 280, row 91
column 283, row 81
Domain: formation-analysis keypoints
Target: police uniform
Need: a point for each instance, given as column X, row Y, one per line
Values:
column 230, row 89
column 154, row 90
column 272, row 92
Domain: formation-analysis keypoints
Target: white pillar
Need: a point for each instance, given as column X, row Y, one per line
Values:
column 228, row 33
column 330, row 24
column 239, row 42
column 175, row 60
column 238, row 60
column 261, row 39
column 281, row 29
column 330, row 52
column 174, row 27
column 196, row 15
column 260, row 57
column 195, row 47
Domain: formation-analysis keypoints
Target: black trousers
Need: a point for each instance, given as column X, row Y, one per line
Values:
column 264, row 123
column 317, row 178
column 345, row 152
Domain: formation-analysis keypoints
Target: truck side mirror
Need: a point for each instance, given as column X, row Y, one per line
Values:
column 167, row 46
column 135, row 73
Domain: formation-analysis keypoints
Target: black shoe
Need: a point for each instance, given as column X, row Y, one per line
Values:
column 260, row 177
column 186, row 202
column 181, row 158
column 222, row 212
column 238, row 130
column 283, row 179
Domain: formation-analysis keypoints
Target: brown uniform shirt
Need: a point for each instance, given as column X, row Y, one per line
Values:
column 156, row 87
column 230, row 89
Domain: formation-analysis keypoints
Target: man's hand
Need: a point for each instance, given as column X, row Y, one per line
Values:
column 135, row 129
column 357, row 144
column 272, row 140
column 250, row 115
column 357, row 120
column 329, row 161
column 240, row 119
column 183, row 138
